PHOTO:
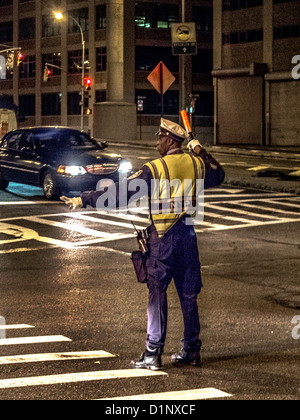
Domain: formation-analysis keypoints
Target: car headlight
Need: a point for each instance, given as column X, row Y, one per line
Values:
column 71, row 170
column 125, row 166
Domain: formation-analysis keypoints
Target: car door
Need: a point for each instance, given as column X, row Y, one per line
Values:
column 9, row 168
column 27, row 160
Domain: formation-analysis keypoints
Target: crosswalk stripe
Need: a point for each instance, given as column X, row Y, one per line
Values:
column 48, row 357
column 103, row 221
column 15, row 326
column 270, row 209
column 190, row 394
column 77, row 377
column 68, row 226
column 240, row 211
column 33, row 340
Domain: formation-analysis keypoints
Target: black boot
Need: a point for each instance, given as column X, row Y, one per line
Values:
column 187, row 357
column 150, row 359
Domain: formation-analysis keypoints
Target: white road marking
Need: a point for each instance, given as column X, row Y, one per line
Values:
column 15, row 326
column 190, row 394
column 48, row 357
column 101, row 220
column 240, row 211
column 270, row 209
column 33, row 340
column 77, row 377
column 69, row 226
column 25, row 202
column 234, row 200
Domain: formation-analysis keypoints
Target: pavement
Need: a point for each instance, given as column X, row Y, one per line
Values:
column 287, row 181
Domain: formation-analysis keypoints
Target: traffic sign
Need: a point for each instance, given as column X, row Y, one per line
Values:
column 161, row 78
column 184, row 39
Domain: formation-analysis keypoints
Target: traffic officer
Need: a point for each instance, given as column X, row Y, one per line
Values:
column 173, row 251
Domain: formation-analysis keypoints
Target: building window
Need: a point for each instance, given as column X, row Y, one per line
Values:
column 203, row 17
column 241, row 4
column 147, row 58
column 100, row 95
column 54, row 59
column 156, row 15
column 27, row 28
column 152, row 102
column 6, row 3
column 73, row 103
column 203, row 62
column 74, row 107
column 27, row 105
column 101, row 16
column 101, row 59
column 205, row 104
column 51, row 104
column 27, row 67
column 6, row 32
column 82, row 17
column 242, row 37
column 292, row 31
column 50, row 26
column 75, row 60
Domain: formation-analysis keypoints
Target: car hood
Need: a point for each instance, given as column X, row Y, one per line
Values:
column 81, row 157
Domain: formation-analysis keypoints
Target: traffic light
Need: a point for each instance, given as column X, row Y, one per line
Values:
column 20, row 58
column 89, row 111
column 47, row 74
column 88, row 83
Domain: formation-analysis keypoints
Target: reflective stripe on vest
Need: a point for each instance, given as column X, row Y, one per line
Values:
column 174, row 188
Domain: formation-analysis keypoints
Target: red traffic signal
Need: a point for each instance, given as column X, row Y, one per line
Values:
column 88, row 83
column 20, row 58
column 47, row 74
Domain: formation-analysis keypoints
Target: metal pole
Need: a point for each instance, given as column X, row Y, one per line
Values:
column 82, row 72
column 161, row 88
column 183, row 63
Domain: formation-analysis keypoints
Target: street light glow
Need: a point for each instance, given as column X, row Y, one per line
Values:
column 58, row 15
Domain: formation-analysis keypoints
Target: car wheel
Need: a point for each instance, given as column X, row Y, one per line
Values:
column 3, row 183
column 50, row 188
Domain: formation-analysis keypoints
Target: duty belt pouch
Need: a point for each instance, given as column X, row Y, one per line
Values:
column 139, row 264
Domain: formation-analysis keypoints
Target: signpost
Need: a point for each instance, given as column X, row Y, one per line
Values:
column 184, row 40
column 161, row 79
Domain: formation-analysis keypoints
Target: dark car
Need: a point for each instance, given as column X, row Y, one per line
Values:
column 57, row 159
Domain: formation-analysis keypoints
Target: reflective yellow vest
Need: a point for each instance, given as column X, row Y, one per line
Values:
column 174, row 188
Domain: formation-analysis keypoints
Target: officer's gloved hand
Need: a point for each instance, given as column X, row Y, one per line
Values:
column 73, row 203
column 194, row 146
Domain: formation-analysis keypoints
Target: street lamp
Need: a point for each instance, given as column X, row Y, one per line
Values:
column 59, row 16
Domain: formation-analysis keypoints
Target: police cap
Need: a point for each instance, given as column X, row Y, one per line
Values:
column 171, row 129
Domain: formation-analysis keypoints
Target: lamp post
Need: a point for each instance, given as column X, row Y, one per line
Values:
column 59, row 16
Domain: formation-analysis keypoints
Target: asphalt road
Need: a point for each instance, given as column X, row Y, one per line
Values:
column 68, row 288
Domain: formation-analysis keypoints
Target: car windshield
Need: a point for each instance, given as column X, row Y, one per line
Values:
column 62, row 139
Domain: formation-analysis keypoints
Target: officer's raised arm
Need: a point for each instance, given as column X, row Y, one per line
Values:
column 214, row 172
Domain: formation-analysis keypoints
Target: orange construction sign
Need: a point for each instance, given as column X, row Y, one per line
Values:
column 161, row 78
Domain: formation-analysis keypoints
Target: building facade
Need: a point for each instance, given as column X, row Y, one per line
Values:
column 124, row 41
column 256, row 72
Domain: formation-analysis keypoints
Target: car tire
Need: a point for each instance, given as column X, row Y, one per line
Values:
column 51, row 191
column 3, row 183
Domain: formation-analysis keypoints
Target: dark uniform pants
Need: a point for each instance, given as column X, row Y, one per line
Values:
column 175, row 255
